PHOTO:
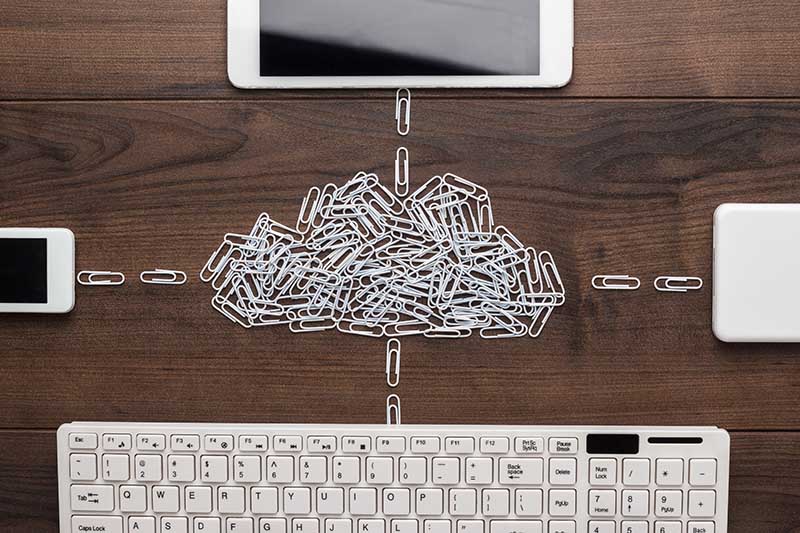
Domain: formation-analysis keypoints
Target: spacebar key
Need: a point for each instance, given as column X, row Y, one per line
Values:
column 516, row 526
column 97, row 524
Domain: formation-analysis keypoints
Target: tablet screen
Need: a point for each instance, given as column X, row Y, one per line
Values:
column 399, row 37
column 23, row 271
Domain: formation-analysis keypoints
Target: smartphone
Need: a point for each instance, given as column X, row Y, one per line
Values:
column 37, row 270
column 283, row 44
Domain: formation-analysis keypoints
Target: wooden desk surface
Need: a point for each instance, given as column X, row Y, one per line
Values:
column 116, row 120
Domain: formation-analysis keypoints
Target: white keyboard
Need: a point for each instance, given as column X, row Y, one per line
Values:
column 237, row 478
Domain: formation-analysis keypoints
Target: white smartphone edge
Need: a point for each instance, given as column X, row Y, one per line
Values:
column 557, row 41
column 60, row 270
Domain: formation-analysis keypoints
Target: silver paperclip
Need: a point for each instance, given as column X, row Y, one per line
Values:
column 393, row 410
column 89, row 278
column 401, row 179
column 160, row 276
column 393, row 353
column 403, row 128
column 616, row 283
column 678, row 284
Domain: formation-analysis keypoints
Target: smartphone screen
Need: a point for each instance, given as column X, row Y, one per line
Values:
column 23, row 271
column 399, row 37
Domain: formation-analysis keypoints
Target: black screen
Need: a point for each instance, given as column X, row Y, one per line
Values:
column 609, row 444
column 399, row 37
column 23, row 271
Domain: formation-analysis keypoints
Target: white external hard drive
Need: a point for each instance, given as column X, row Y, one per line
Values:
column 757, row 273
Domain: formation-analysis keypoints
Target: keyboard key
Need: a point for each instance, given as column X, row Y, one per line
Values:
column 340, row 525
column 363, row 501
column 296, row 500
column 634, row 527
column 142, row 524
column 329, row 501
column 494, row 445
column 563, row 471
column 264, row 500
column 602, row 503
column 185, row 443
column 321, row 444
column 668, row 527
column 703, row 472
column 106, row 524
column 287, row 443
column 403, row 526
column 214, row 468
column 391, row 444
column 371, row 525
column 525, row 445
column 668, row 503
column 396, row 502
column 515, row 526
column 445, row 470
column 459, row 445
column 253, row 443
column 700, row 527
column 272, row 525
column 522, row 471
column 116, row 441
column 313, row 469
column 83, row 441
column 132, row 499
column 635, row 503
column 478, row 470
column 230, row 500
column 636, row 472
column 669, row 472
column 425, row 445
column 380, row 470
column 596, row 526
column 413, row 470
column 356, row 444
column 151, row 443
column 280, row 469
column 198, row 499
column 165, row 499
column 529, row 502
column 116, row 467
column 603, row 472
column 495, row 502
column 149, row 468
column 180, row 468
column 564, row 446
column 562, row 502
column 83, row 467
column 561, row 526
column 305, row 525
column 469, row 526
column 437, row 526
column 463, row 502
column 92, row 498
column 207, row 525
column 429, row 502
column 346, row 470
column 702, row 503
column 247, row 469
column 218, row 443
column 174, row 524
column 238, row 525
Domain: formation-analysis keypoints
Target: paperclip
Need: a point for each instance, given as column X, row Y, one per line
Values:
column 629, row 283
column 403, row 129
column 393, row 410
column 393, row 352
column 401, row 179
column 669, row 284
column 88, row 278
column 160, row 276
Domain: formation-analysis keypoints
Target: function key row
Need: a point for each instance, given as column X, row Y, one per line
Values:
column 321, row 444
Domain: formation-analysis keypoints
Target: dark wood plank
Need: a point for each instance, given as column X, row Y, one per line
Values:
column 151, row 49
column 608, row 187
column 764, row 491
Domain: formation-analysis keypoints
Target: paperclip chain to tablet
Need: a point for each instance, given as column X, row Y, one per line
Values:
column 90, row 278
column 160, row 276
column 393, row 410
column 616, row 283
column 393, row 363
column 403, row 117
column 678, row 284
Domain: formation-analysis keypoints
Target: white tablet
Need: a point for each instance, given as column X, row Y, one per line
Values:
column 37, row 270
column 757, row 273
column 288, row 44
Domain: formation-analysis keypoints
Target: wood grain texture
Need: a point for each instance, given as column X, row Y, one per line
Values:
column 608, row 187
column 764, row 486
column 626, row 48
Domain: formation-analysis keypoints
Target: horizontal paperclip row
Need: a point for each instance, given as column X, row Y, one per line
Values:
column 661, row 284
column 105, row 278
column 365, row 261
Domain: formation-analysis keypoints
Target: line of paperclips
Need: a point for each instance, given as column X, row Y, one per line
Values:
column 367, row 262
column 661, row 284
column 105, row 278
